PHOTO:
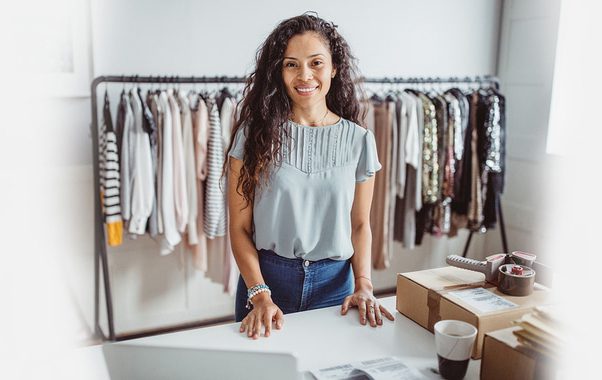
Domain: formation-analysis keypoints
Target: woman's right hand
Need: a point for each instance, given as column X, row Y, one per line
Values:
column 264, row 312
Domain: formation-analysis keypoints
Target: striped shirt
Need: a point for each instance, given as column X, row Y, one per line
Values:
column 214, row 211
column 109, row 178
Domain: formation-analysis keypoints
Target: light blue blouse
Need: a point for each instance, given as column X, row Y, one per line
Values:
column 305, row 211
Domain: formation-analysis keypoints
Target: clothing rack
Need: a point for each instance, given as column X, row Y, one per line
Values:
column 100, row 247
column 435, row 80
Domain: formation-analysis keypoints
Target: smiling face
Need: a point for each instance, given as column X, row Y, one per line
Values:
column 307, row 69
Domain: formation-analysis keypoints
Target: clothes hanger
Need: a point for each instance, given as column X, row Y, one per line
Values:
column 107, row 111
column 390, row 95
column 376, row 96
column 412, row 87
column 154, row 87
column 225, row 91
column 453, row 83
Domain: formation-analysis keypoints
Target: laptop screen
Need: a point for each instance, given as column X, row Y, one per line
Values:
column 134, row 361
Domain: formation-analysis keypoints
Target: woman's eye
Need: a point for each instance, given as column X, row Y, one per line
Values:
column 317, row 63
column 289, row 64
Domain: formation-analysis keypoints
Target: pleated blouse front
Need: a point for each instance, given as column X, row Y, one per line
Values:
column 305, row 209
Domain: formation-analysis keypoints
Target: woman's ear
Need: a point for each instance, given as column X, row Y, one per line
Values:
column 334, row 72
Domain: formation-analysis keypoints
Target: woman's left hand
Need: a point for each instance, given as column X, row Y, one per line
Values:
column 369, row 307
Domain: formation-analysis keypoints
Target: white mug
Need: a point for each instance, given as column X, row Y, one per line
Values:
column 454, row 341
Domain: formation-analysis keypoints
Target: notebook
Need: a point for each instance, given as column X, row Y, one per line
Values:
column 134, row 361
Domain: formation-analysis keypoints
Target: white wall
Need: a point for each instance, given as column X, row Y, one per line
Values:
column 390, row 38
column 201, row 37
column 526, row 71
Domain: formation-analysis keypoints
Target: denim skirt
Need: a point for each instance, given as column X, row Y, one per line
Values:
column 298, row 284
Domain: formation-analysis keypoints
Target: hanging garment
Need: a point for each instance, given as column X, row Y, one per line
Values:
column 190, row 169
column 200, row 128
column 398, row 171
column 459, row 198
column 460, row 139
column 442, row 125
column 215, row 213
column 108, row 164
column 419, row 150
column 393, row 174
column 230, row 273
column 413, row 145
column 125, row 120
column 120, row 121
column 150, row 127
column 430, row 159
column 430, row 166
column 454, row 136
column 172, row 237
column 152, row 100
column 379, row 214
column 402, row 133
column 475, row 205
column 441, row 219
column 492, row 154
column 142, row 176
column 452, row 152
column 406, row 205
column 443, row 212
column 200, row 117
column 179, row 166
column 397, row 218
column 226, row 117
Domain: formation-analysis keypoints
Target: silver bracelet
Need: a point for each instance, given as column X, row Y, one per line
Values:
column 255, row 290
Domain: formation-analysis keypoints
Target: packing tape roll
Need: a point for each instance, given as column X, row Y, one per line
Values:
column 516, row 280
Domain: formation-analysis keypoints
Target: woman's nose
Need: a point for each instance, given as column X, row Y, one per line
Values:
column 305, row 73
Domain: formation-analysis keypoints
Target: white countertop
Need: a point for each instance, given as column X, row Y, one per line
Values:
column 318, row 338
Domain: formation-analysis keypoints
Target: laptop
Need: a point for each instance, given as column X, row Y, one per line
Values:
column 134, row 361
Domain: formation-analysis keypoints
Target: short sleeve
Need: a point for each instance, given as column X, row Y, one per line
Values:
column 368, row 163
column 238, row 147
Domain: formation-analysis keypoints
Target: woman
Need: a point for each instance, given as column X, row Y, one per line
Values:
column 301, row 171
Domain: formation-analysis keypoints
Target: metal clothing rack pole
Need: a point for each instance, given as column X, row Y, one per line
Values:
column 435, row 80
column 100, row 251
column 502, row 230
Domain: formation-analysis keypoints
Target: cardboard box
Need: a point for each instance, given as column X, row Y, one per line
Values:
column 504, row 358
column 429, row 296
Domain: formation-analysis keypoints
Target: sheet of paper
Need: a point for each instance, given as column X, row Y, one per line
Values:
column 483, row 300
column 388, row 368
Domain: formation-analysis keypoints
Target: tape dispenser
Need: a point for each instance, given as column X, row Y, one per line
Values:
column 511, row 273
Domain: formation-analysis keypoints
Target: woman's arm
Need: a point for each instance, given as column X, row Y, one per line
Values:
column 245, row 254
column 361, row 238
column 361, row 234
column 240, row 225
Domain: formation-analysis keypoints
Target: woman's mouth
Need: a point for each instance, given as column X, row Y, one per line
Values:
column 306, row 91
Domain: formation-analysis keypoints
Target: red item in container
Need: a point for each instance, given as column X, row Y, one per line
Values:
column 518, row 270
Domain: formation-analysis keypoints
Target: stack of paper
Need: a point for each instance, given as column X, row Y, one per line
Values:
column 542, row 331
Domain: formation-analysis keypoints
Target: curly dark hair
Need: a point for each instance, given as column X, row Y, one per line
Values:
column 266, row 106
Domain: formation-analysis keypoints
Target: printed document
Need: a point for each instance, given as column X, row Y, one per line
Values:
column 388, row 368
